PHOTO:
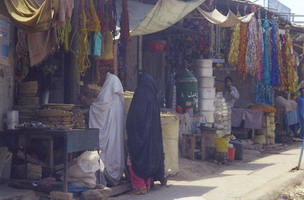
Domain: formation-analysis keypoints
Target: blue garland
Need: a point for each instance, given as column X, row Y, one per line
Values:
column 275, row 73
column 263, row 93
column 267, row 72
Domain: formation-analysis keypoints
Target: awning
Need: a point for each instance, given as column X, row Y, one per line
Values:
column 145, row 18
column 221, row 20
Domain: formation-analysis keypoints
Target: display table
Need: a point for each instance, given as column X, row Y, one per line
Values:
column 73, row 140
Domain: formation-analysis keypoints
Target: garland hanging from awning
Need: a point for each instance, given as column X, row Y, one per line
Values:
column 241, row 67
column 266, row 58
column 252, row 45
column 275, row 73
column 260, row 49
column 234, row 50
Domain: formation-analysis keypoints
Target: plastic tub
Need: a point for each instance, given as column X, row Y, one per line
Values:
column 221, row 144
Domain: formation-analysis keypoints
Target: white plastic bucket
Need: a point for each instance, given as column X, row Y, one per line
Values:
column 12, row 119
column 206, row 93
column 208, row 115
column 207, row 82
column 203, row 71
column 203, row 62
column 206, row 104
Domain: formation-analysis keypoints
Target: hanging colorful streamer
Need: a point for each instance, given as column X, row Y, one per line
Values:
column 266, row 70
column 260, row 49
column 289, row 62
column 241, row 67
column 233, row 56
column 282, row 66
column 263, row 93
column 251, row 52
column 275, row 73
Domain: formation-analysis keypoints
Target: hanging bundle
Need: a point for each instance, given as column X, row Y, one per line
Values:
column 275, row 74
column 233, row 56
column 92, row 23
column 260, row 49
column 289, row 62
column 82, row 59
column 266, row 70
column 251, row 52
column 64, row 35
column 241, row 67
column 283, row 69
column 263, row 93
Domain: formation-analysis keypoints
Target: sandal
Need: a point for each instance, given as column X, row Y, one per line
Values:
column 138, row 191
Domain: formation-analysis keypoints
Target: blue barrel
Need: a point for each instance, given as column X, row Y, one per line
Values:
column 239, row 149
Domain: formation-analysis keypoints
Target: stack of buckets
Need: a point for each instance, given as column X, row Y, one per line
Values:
column 206, row 89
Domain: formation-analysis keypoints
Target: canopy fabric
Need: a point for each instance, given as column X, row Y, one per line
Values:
column 230, row 20
column 30, row 15
column 164, row 14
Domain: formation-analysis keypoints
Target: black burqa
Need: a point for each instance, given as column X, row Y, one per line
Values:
column 145, row 142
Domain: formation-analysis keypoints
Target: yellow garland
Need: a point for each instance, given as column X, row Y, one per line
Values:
column 233, row 56
column 64, row 35
column 82, row 59
column 292, row 73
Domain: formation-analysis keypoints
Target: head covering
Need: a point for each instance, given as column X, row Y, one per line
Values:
column 144, row 131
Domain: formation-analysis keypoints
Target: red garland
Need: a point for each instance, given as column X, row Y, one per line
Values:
column 111, row 23
column 124, row 23
column 101, row 15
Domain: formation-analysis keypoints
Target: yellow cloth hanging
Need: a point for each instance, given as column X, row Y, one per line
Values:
column 29, row 15
column 108, row 50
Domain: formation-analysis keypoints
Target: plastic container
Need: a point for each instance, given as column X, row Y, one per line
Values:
column 221, row 144
column 206, row 81
column 231, row 154
column 239, row 149
column 187, row 90
column 170, row 133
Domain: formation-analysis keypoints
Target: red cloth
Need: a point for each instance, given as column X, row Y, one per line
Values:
column 137, row 182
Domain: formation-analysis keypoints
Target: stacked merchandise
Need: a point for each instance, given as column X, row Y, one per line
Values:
column 78, row 118
column 267, row 134
column 58, row 116
column 27, row 101
column 206, row 89
column 222, row 115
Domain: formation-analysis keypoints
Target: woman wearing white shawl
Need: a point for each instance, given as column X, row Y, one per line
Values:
column 107, row 114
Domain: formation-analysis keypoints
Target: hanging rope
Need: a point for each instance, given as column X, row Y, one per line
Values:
column 233, row 56
column 266, row 70
column 241, row 67
column 251, row 52
column 260, row 49
column 275, row 73
column 82, row 59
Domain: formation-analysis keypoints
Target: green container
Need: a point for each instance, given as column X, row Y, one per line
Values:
column 187, row 90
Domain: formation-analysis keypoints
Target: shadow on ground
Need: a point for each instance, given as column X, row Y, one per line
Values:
column 173, row 192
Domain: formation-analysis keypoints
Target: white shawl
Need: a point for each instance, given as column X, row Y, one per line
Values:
column 107, row 114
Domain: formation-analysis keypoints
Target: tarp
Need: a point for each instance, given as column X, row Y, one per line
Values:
column 221, row 20
column 163, row 15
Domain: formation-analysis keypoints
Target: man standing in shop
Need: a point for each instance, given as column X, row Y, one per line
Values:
column 230, row 93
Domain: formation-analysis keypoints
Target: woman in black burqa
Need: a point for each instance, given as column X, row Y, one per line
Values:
column 145, row 143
